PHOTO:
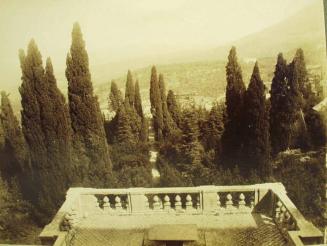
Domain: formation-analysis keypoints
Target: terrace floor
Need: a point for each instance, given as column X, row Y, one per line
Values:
column 158, row 229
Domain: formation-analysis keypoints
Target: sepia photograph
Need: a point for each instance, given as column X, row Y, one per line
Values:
column 163, row 122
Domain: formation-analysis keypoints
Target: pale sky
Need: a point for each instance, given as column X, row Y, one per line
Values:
column 118, row 30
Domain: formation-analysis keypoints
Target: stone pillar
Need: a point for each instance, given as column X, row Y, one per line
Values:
column 138, row 200
column 89, row 205
column 209, row 199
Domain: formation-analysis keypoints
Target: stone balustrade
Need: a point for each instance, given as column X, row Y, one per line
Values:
column 270, row 198
column 203, row 199
column 291, row 222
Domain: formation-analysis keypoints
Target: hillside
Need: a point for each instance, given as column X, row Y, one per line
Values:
column 304, row 29
column 206, row 74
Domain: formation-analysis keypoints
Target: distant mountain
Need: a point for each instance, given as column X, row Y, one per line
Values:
column 304, row 29
column 205, row 76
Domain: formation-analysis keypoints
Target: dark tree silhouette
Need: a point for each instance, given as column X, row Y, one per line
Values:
column 130, row 89
column 14, row 157
column 156, row 105
column 168, row 122
column 138, row 100
column 279, row 123
column 86, row 119
column 46, row 128
column 115, row 97
column 174, row 107
column 257, row 148
column 124, row 130
column 232, row 139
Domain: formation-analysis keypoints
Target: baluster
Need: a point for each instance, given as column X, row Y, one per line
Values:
column 156, row 203
column 106, row 204
column 146, row 202
column 292, row 225
column 127, row 204
column 178, row 203
column 218, row 201
column 189, row 203
column 287, row 219
column 118, row 205
column 287, row 216
column 96, row 203
column 241, row 202
column 229, row 202
column 282, row 214
column 278, row 210
column 252, row 202
column 198, row 204
column 167, row 204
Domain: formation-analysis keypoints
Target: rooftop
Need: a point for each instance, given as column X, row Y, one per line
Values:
column 260, row 214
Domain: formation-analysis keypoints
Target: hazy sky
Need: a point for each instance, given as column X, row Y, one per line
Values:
column 117, row 30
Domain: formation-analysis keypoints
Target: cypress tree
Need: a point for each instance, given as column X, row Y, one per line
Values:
column 138, row 100
column 169, row 124
column 86, row 120
column 130, row 89
column 135, row 120
column 257, row 147
column 191, row 145
column 144, row 131
column 115, row 97
column 56, row 123
column 213, row 129
column 46, row 129
column 124, row 130
column 32, row 74
column 232, row 139
column 302, row 74
column 294, row 104
column 15, row 166
column 156, row 105
column 279, row 123
column 174, row 108
column 14, row 154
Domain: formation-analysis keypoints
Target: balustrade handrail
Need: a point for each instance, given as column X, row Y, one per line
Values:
column 302, row 224
column 304, row 228
column 232, row 188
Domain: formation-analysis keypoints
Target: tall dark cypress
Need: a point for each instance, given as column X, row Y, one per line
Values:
column 174, row 107
column 115, row 97
column 130, row 89
column 86, row 118
column 279, row 122
column 294, row 106
column 156, row 105
column 138, row 100
column 144, row 131
column 168, row 123
column 257, row 148
column 302, row 74
column 32, row 74
column 232, row 139
column 191, row 145
column 56, row 123
column 14, row 152
column 213, row 129
column 124, row 130
column 47, row 131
